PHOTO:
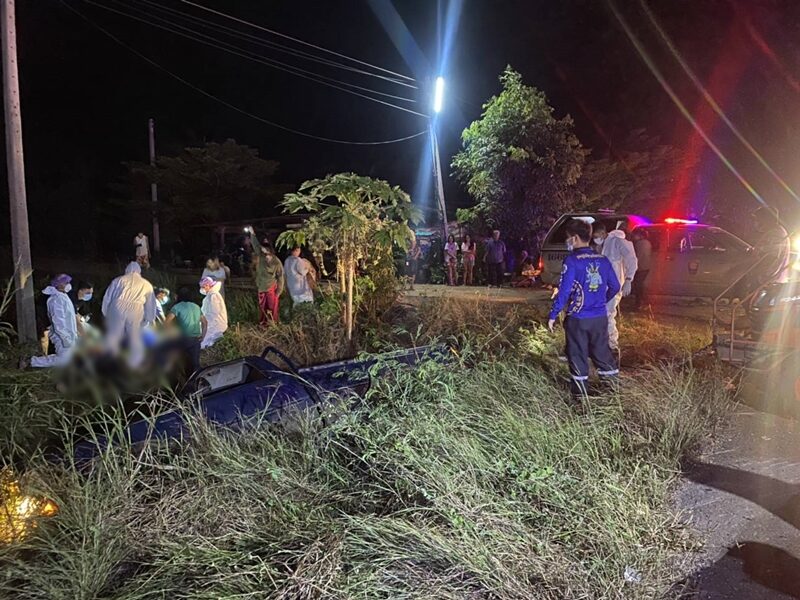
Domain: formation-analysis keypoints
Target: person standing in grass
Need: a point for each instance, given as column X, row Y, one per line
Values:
column 468, row 253
column 299, row 275
column 644, row 258
column 269, row 279
column 495, row 259
column 188, row 318
column 216, row 270
column 588, row 282
column 412, row 262
column 215, row 314
column 451, row 259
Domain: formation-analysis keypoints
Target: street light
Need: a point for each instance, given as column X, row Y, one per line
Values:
column 438, row 95
column 438, row 100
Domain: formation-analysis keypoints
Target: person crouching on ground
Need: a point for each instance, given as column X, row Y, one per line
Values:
column 269, row 279
column 189, row 318
column 63, row 324
column 588, row 282
column 215, row 316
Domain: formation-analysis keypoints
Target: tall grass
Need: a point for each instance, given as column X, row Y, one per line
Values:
column 471, row 479
column 468, row 480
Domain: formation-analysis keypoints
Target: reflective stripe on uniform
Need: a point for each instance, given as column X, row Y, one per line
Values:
column 607, row 373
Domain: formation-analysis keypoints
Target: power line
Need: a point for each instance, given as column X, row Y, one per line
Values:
column 224, row 102
column 288, row 37
column 236, row 50
column 273, row 45
column 259, row 59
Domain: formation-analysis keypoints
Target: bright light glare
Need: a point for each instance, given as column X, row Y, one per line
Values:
column 672, row 220
column 796, row 243
column 438, row 95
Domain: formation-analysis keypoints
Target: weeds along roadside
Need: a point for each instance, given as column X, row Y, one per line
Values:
column 467, row 480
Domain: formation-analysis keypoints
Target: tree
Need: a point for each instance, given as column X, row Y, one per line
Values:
column 354, row 217
column 518, row 161
column 212, row 183
column 638, row 178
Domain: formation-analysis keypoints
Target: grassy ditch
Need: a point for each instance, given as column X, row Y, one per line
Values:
column 467, row 480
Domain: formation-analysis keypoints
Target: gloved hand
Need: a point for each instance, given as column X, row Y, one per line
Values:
column 551, row 324
column 626, row 288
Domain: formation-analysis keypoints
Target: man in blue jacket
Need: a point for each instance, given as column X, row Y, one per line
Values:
column 588, row 282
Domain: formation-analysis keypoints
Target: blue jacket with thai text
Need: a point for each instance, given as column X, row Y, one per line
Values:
column 588, row 282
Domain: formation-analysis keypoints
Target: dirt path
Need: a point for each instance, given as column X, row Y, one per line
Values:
column 682, row 308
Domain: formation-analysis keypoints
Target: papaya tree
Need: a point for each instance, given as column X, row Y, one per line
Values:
column 355, row 218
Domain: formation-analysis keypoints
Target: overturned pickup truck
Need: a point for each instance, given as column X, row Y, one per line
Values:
column 255, row 388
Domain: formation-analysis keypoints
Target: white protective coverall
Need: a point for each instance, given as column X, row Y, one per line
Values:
column 216, row 315
column 623, row 258
column 63, row 329
column 296, row 271
column 128, row 304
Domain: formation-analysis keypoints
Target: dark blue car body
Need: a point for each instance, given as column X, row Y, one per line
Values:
column 255, row 388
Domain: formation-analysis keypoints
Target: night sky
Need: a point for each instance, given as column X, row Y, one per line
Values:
column 86, row 99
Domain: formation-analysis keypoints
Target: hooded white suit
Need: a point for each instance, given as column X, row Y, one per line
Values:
column 63, row 329
column 128, row 304
column 216, row 315
column 620, row 252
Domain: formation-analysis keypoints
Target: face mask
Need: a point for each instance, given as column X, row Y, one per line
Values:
column 164, row 300
column 598, row 241
column 204, row 292
column 86, row 297
column 67, row 288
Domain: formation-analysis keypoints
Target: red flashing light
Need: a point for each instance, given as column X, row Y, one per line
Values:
column 673, row 221
column 540, row 264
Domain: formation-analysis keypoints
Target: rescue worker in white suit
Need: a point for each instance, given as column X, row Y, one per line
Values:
column 128, row 304
column 214, row 321
column 63, row 324
column 614, row 246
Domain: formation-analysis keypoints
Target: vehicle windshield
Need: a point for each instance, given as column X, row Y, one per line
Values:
column 559, row 234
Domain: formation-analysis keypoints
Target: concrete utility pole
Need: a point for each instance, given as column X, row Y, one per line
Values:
column 437, row 175
column 151, row 130
column 20, row 239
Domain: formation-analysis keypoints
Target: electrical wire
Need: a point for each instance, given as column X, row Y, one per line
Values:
column 236, row 49
column 288, row 37
column 224, row 102
column 258, row 59
column 254, row 39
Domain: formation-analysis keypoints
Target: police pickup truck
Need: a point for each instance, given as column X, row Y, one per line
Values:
column 688, row 259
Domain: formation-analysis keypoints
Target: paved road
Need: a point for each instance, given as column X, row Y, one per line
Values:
column 743, row 497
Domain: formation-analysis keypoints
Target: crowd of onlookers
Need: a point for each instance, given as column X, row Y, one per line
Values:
column 461, row 264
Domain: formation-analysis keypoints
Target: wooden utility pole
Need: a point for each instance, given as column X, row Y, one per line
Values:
column 20, row 238
column 151, row 131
